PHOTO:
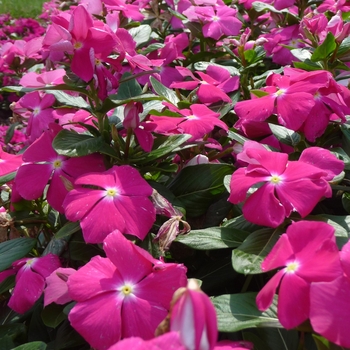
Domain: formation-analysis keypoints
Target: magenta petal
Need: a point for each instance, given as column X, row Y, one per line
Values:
column 291, row 114
column 82, row 64
column 27, row 291
column 293, row 301
column 41, row 149
column 98, row 319
column 46, row 264
column 279, row 255
column 98, row 276
column 323, row 159
column 31, row 179
column 138, row 213
column 80, row 201
column 330, row 310
column 57, row 192
column 344, row 258
column 131, row 265
column 210, row 94
column 257, row 109
column 141, row 317
column 273, row 213
column 172, row 275
column 56, row 290
column 240, row 184
column 265, row 297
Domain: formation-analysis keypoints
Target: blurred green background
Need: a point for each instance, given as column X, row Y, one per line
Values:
column 21, row 8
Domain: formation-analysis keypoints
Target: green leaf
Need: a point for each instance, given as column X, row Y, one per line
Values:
column 69, row 100
column 7, row 284
column 325, row 49
column 261, row 6
column 213, row 238
column 118, row 102
column 308, row 65
column 232, row 135
column 14, row 249
column 12, row 330
column 286, row 136
column 240, row 223
column 238, row 311
column 10, row 132
column 129, row 88
column 35, row 345
column 170, row 144
column 259, row 93
column 247, row 258
column 163, row 91
column 199, row 186
column 8, row 177
column 301, row 54
column 141, row 34
column 72, row 144
column 67, row 230
column 53, row 315
column 346, row 201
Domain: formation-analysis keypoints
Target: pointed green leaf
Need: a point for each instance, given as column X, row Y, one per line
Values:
column 129, row 88
column 213, row 238
column 162, row 90
column 286, row 136
column 239, row 311
column 67, row 230
column 325, row 49
column 35, row 345
column 199, row 186
column 141, row 34
column 247, row 258
column 72, row 144
column 14, row 249
column 53, row 315
column 69, row 100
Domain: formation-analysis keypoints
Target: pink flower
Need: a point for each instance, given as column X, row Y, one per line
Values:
column 124, row 295
column 194, row 317
column 43, row 165
column 30, row 280
column 307, row 253
column 283, row 184
column 329, row 304
column 196, row 121
column 120, row 194
column 213, row 85
column 56, row 290
column 219, row 21
column 37, row 108
column 32, row 79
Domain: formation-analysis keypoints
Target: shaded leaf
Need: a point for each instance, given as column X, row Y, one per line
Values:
column 35, row 345
column 239, row 311
column 199, row 186
column 53, row 315
column 69, row 100
column 14, row 249
column 163, row 91
column 72, row 144
column 213, row 238
column 286, row 136
column 67, row 230
column 247, row 258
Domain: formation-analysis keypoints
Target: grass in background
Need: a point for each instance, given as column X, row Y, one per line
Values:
column 21, row 8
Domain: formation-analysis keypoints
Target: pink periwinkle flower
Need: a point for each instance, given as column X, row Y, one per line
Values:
column 213, row 85
column 194, row 317
column 218, row 21
column 44, row 165
column 36, row 107
column 196, row 121
column 114, row 199
column 33, row 79
column 287, row 186
column 329, row 304
column 126, row 294
column 306, row 253
column 30, row 280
